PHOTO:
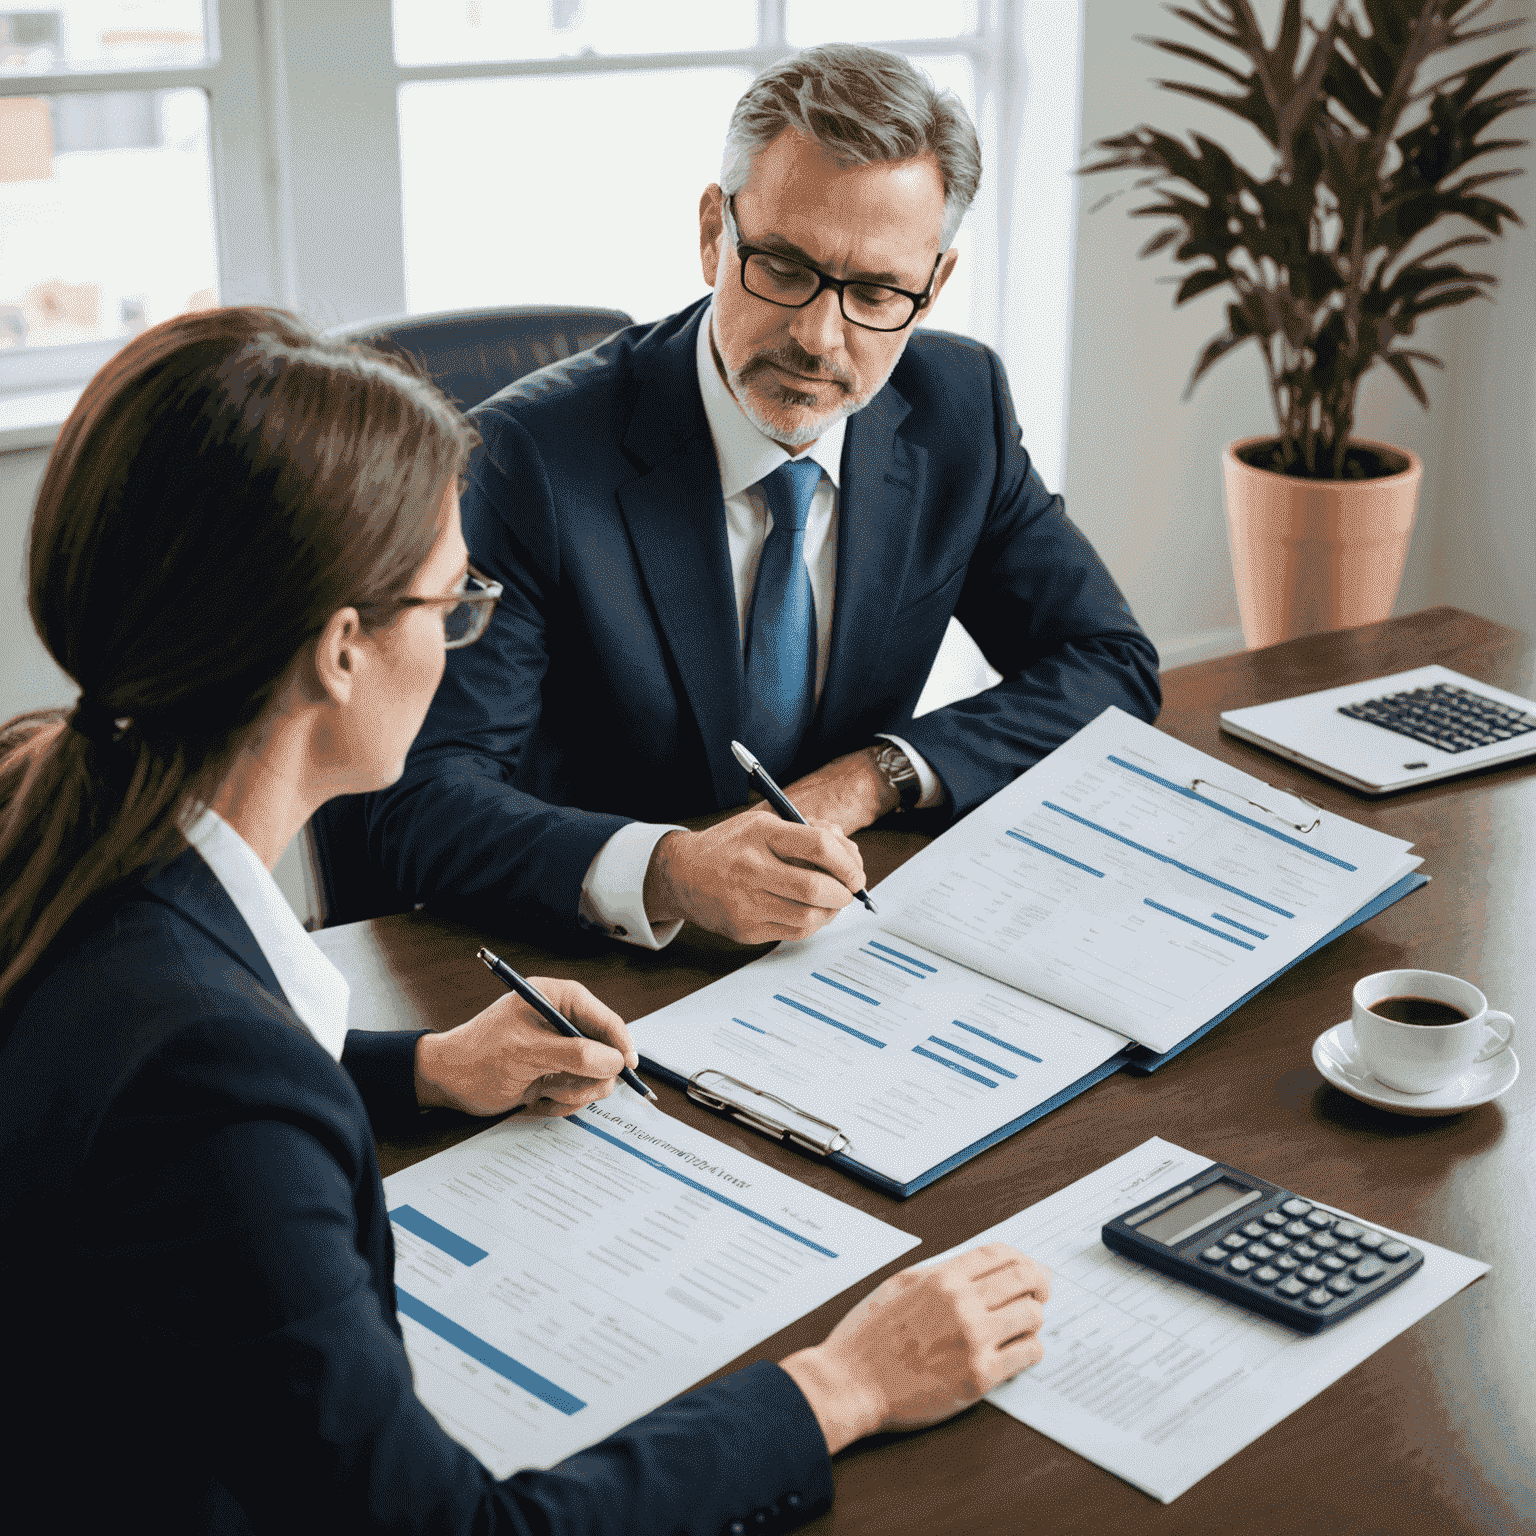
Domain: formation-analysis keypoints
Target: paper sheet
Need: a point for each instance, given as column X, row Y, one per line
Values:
column 1155, row 1380
column 912, row 1056
column 1135, row 881
column 557, row 1279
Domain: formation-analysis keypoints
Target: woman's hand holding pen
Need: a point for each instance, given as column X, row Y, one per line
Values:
column 926, row 1344
column 507, row 1055
column 753, row 877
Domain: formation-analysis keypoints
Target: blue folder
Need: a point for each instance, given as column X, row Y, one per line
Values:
column 1134, row 1058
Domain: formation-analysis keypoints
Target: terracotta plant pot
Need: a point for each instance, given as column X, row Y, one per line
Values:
column 1311, row 555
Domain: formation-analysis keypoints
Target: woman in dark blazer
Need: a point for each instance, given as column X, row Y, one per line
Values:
column 246, row 551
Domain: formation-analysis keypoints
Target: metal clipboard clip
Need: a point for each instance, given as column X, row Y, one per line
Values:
column 1310, row 826
column 749, row 1105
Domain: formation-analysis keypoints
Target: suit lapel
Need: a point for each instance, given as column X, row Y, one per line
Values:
column 191, row 887
column 882, row 481
column 675, row 514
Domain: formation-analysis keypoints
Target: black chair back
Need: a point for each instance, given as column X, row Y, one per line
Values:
column 469, row 354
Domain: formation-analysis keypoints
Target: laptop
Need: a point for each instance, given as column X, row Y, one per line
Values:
column 1391, row 733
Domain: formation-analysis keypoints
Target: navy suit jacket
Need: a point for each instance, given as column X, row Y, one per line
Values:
column 610, row 681
column 198, row 1284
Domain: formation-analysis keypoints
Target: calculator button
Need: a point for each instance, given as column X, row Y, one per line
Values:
column 1278, row 1240
column 1295, row 1207
column 1290, row 1286
column 1319, row 1297
column 1235, row 1240
column 1347, row 1230
column 1273, row 1218
column 1253, row 1229
column 1331, row 1261
column 1298, row 1229
column 1313, row 1275
column 1341, row 1285
column 1393, row 1251
column 1239, row 1265
column 1266, row 1274
column 1260, row 1251
column 1214, row 1255
column 1370, row 1239
column 1368, row 1269
column 1324, row 1240
column 1320, row 1218
column 1350, row 1252
column 1304, row 1251
column 1286, row 1262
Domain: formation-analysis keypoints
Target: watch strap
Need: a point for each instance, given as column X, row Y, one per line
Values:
column 895, row 767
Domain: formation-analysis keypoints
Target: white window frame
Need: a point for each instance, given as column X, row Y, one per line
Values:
column 305, row 158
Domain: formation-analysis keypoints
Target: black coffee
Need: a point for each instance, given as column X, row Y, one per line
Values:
column 1419, row 1010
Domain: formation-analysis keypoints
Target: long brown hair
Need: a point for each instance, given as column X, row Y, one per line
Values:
column 225, row 484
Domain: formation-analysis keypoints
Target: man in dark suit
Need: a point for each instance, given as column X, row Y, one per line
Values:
column 753, row 521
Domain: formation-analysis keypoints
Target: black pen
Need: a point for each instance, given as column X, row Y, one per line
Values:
column 780, row 801
column 547, row 1011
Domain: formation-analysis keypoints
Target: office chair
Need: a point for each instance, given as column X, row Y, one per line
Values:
column 469, row 354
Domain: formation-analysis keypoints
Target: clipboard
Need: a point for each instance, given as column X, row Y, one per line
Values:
column 772, row 1116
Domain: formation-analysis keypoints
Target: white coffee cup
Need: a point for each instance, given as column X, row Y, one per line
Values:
column 1418, row 1058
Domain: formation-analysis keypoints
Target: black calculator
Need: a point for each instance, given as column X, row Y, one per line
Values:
column 1264, row 1248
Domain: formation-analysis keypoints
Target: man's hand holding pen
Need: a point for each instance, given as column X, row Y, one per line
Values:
column 753, row 877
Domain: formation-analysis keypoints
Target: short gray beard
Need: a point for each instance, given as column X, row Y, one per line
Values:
column 808, row 432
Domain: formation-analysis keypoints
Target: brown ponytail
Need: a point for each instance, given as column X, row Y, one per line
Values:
column 225, row 484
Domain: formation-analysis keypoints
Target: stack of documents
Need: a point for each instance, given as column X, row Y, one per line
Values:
column 1104, row 910
column 556, row 1279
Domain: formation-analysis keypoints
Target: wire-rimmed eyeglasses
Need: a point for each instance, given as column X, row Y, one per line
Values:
column 465, row 612
column 792, row 284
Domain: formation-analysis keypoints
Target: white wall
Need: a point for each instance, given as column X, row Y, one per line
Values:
column 1143, row 474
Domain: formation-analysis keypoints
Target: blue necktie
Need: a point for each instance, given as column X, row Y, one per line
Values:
column 781, row 633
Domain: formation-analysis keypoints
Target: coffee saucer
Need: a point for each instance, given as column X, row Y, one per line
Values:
column 1334, row 1055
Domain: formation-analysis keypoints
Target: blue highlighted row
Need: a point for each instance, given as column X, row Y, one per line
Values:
column 863, row 997
column 487, row 1354
column 1163, row 858
column 424, row 1227
column 703, row 1189
column 1232, row 922
column 932, row 970
column 1056, row 854
column 1203, row 927
column 954, row 1066
column 1189, row 794
column 753, row 1027
column 981, row 1061
column 1016, row 1049
column 895, row 965
column 826, row 1018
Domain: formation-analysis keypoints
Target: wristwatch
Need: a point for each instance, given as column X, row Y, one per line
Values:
column 895, row 767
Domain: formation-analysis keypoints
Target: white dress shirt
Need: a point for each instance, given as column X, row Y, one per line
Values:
column 316, row 991
column 612, row 894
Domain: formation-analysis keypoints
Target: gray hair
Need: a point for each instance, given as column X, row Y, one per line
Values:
column 863, row 106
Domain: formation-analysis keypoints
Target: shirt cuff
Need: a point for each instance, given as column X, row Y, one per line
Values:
column 928, row 781
column 613, row 890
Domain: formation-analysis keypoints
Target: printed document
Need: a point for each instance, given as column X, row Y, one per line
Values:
column 1135, row 881
column 557, row 1279
column 1126, row 888
column 1160, row 1382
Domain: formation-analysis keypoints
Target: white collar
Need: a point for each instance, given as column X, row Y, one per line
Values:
column 316, row 991
column 745, row 455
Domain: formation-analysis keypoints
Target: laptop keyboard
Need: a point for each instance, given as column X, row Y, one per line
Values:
column 1444, row 716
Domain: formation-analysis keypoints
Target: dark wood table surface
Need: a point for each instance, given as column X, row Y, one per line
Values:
column 1434, row 1433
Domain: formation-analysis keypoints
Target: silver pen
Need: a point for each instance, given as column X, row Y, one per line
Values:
column 780, row 801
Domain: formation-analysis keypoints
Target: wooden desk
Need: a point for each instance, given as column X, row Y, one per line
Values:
column 1434, row 1433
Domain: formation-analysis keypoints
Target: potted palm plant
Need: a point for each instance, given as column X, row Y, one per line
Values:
column 1326, row 268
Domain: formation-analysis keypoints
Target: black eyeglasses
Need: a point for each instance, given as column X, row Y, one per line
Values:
column 793, row 284
column 465, row 612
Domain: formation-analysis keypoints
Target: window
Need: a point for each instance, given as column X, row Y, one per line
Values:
column 359, row 158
